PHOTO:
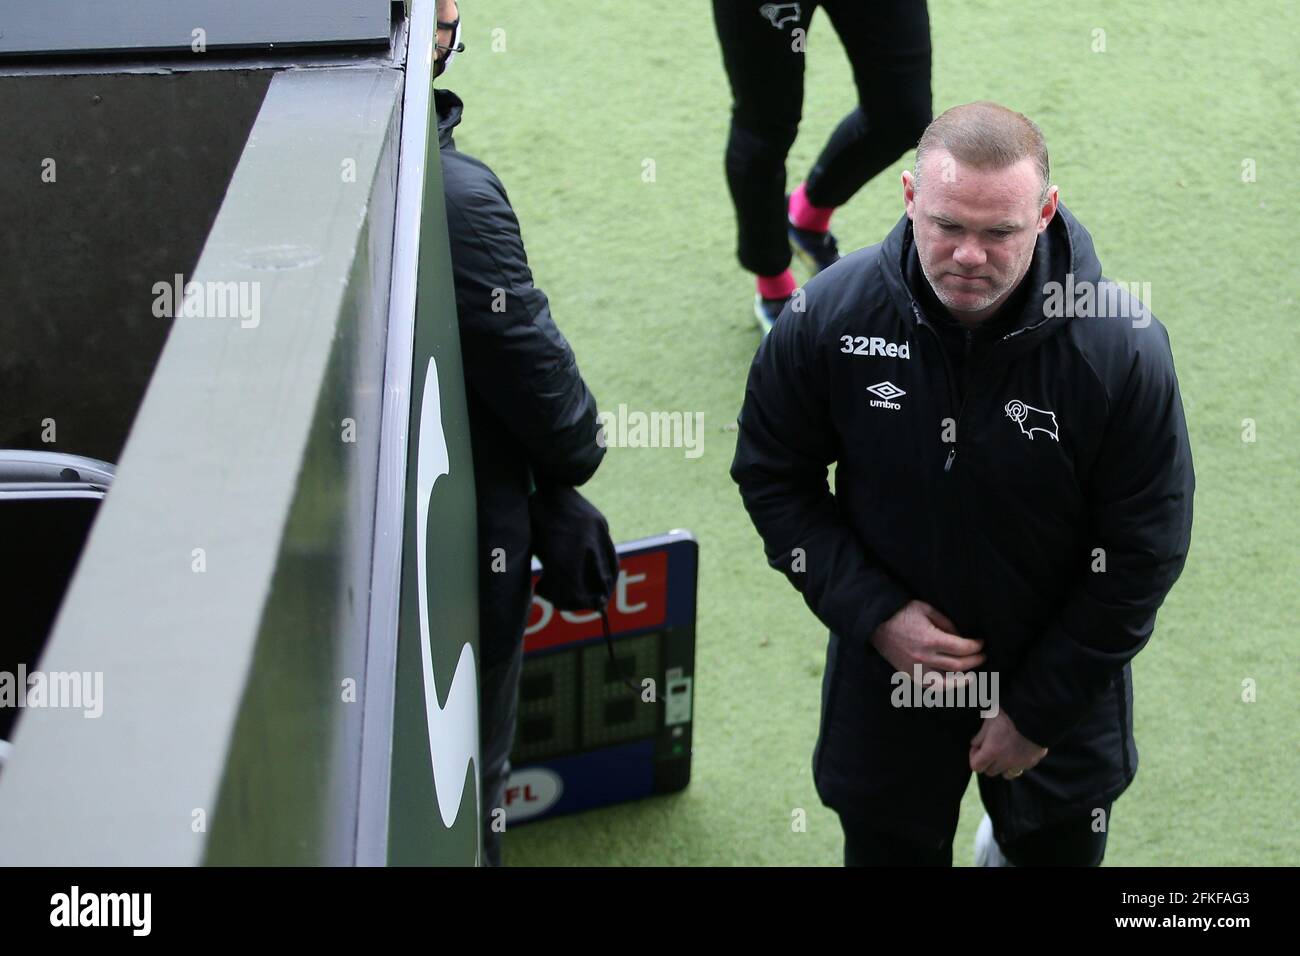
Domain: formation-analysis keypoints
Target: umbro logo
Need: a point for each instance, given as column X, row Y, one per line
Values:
column 885, row 392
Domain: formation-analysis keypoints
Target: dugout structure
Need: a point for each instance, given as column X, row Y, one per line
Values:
column 225, row 273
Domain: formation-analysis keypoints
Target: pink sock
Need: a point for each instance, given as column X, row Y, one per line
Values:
column 804, row 215
column 777, row 287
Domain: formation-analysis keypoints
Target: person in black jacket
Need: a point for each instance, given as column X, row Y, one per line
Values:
column 1013, row 501
column 532, row 425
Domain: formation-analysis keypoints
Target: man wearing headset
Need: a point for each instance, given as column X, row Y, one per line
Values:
column 532, row 420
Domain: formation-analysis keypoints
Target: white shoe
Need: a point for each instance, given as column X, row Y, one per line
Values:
column 987, row 851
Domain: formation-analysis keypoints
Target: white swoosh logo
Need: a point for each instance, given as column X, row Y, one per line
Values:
column 453, row 729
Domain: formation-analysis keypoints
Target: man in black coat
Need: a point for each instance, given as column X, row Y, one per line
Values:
column 532, row 424
column 1013, row 501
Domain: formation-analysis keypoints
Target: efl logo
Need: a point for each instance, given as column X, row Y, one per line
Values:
column 531, row 792
column 884, row 392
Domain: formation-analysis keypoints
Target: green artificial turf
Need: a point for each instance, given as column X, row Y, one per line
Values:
column 1148, row 140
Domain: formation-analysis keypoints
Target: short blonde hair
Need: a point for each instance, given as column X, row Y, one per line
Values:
column 986, row 136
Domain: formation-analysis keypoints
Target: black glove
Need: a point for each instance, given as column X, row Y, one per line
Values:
column 571, row 539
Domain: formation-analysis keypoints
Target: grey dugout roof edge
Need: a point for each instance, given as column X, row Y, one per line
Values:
column 181, row 557
column 260, row 494
column 62, row 27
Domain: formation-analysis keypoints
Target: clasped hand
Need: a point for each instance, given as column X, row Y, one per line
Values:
column 921, row 634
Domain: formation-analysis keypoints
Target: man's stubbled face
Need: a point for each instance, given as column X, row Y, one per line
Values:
column 975, row 230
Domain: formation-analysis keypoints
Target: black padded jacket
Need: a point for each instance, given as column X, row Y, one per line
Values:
column 996, row 498
column 532, row 418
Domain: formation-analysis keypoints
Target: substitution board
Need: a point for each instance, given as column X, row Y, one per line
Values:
column 592, row 730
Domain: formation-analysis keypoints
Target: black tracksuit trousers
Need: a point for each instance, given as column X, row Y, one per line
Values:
column 888, row 44
column 1071, row 842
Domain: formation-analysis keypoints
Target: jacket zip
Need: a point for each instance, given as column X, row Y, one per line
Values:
column 954, row 403
column 965, row 394
column 959, row 404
